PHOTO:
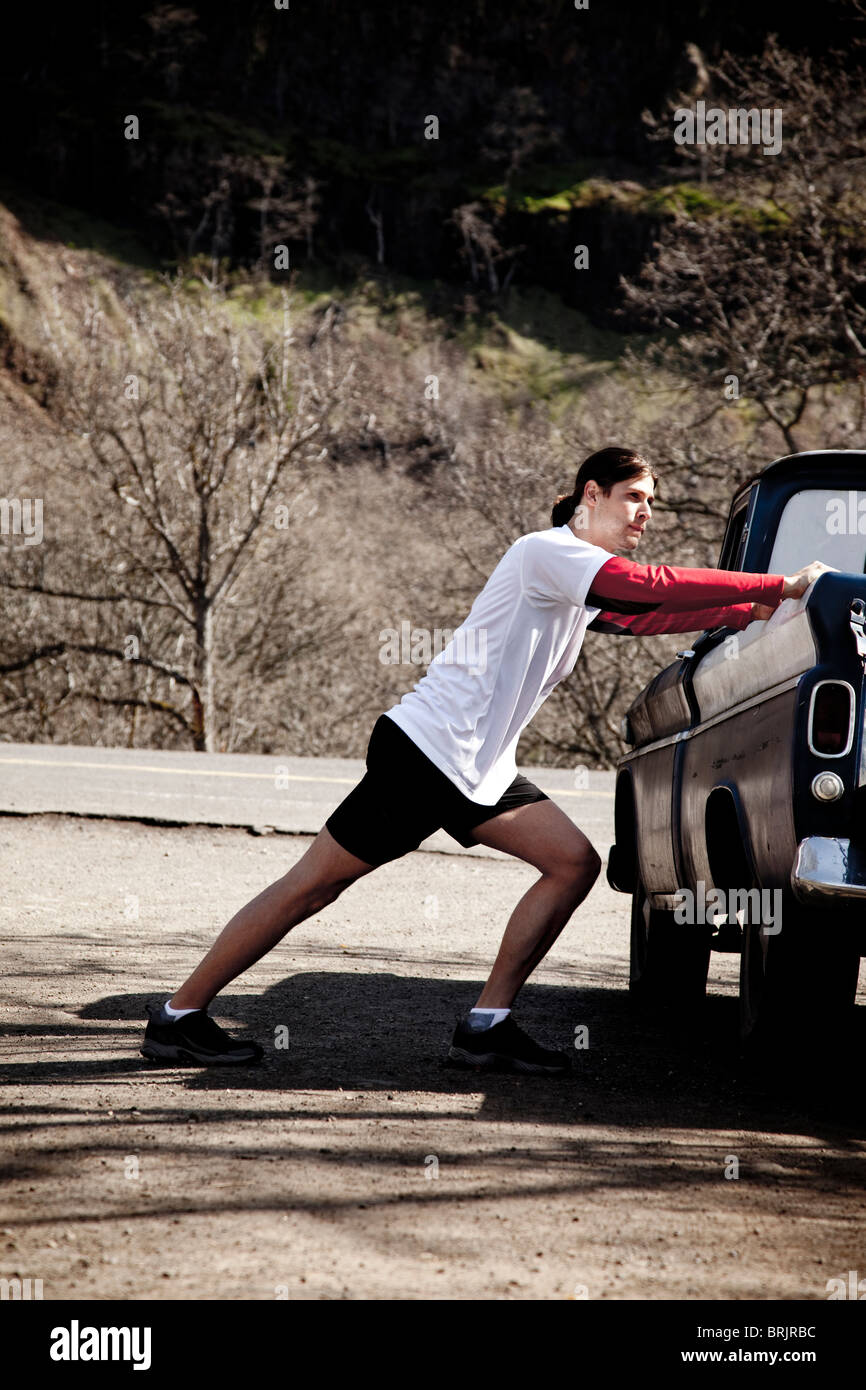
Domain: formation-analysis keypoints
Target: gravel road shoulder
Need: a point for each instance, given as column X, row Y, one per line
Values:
column 353, row 1163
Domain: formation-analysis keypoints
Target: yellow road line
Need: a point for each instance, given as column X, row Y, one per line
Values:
column 172, row 771
column 215, row 772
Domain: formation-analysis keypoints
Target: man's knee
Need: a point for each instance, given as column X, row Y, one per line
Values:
column 580, row 869
column 591, row 864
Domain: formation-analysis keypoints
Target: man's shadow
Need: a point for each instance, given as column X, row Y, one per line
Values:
column 376, row 1031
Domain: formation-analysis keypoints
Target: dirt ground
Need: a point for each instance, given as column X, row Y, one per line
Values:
column 353, row 1163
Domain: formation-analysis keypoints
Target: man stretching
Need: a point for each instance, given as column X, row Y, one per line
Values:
column 444, row 756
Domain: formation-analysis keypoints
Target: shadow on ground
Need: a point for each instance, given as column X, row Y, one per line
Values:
column 382, row 1032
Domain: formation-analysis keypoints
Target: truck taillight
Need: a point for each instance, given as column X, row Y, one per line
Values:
column 831, row 719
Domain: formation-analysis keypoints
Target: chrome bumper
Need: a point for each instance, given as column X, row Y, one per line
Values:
column 828, row 868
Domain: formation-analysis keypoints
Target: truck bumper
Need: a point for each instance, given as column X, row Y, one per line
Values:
column 828, row 868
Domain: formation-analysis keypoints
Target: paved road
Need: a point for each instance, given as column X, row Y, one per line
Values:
column 236, row 789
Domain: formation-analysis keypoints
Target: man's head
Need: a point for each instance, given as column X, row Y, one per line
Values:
column 611, row 503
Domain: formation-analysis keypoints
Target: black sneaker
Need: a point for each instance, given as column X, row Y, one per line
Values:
column 194, row 1039
column 504, row 1047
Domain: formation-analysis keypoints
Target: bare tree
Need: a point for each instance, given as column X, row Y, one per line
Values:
column 286, row 210
column 482, row 249
column 765, row 286
column 518, row 130
column 373, row 209
column 205, row 222
column 197, row 462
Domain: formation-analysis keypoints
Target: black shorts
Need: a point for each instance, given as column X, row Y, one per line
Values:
column 403, row 797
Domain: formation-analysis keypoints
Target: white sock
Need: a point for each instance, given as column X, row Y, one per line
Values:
column 482, row 1019
column 175, row 1014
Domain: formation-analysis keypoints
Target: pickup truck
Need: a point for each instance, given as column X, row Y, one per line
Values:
column 740, row 811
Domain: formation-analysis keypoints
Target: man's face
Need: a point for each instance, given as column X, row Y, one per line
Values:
column 618, row 521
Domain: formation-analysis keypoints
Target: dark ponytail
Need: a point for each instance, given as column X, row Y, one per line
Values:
column 563, row 510
column 606, row 467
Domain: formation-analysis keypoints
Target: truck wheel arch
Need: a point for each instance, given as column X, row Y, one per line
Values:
column 727, row 839
column 622, row 870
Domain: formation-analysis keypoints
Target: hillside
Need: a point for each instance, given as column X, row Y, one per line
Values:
column 253, row 464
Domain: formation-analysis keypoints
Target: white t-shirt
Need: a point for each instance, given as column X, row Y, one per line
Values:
column 522, row 636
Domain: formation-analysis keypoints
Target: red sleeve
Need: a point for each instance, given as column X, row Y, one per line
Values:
column 672, row 620
column 621, row 586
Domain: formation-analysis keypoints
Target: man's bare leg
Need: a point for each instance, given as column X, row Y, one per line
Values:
column 317, row 879
column 544, row 836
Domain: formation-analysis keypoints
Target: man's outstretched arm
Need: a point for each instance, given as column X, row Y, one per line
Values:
column 621, row 586
column 677, row 620
column 639, row 600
